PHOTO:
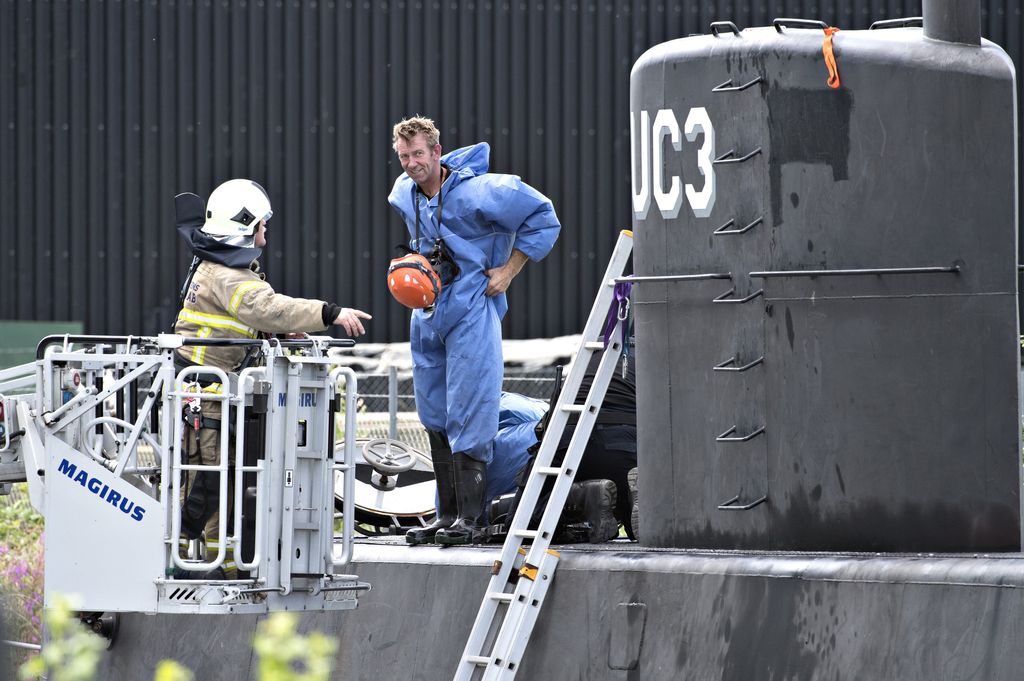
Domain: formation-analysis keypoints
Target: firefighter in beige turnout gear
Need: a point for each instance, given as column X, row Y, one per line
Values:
column 226, row 296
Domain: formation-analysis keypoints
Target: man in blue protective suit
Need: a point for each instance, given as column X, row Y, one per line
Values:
column 478, row 229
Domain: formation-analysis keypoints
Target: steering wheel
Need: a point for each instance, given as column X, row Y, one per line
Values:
column 389, row 457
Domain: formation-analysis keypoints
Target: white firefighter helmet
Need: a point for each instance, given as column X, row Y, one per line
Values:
column 236, row 208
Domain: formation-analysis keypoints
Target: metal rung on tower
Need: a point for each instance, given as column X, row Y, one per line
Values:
column 521, row 576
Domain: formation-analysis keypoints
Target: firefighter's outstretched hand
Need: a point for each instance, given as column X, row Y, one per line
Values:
column 350, row 320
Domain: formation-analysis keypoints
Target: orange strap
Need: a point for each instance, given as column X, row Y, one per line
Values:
column 830, row 58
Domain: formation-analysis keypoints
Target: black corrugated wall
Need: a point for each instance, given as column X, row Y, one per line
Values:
column 109, row 108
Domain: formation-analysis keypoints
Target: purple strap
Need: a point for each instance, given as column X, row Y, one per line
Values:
column 619, row 311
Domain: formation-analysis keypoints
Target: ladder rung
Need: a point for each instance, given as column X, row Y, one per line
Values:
column 299, row 525
column 505, row 650
column 500, row 596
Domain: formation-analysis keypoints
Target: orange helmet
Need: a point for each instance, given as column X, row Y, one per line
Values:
column 413, row 281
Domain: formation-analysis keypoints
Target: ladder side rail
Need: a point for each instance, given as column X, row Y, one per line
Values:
column 525, row 594
column 570, row 390
column 221, row 467
column 347, row 467
column 545, row 457
column 288, row 464
column 577, row 445
column 246, row 379
column 484, row 622
column 138, row 427
column 505, row 660
column 524, row 513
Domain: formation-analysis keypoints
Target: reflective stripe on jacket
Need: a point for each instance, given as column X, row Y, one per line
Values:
column 236, row 302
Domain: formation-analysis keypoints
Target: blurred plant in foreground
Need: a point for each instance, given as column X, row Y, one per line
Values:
column 72, row 653
column 286, row 655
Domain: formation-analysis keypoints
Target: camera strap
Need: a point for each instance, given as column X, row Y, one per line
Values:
column 416, row 202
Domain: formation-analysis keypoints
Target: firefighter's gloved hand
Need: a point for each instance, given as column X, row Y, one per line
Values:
column 349, row 319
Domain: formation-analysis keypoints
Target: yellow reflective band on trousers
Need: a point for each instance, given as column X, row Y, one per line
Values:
column 199, row 352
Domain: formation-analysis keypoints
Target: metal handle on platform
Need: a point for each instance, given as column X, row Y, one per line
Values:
column 731, row 504
column 717, row 26
column 724, row 298
column 906, row 22
column 724, row 437
column 783, row 22
column 725, row 229
column 727, row 86
column 727, row 364
column 727, row 157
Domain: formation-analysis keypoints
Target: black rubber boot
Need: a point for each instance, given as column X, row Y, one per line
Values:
column 589, row 513
column 470, row 490
column 200, row 504
column 444, row 475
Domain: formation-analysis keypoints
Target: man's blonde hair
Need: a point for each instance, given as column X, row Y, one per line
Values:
column 407, row 128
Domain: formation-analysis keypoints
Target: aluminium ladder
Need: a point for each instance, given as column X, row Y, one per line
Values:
column 521, row 575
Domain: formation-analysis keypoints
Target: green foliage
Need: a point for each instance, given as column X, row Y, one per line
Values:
column 169, row 670
column 21, row 566
column 20, row 525
column 286, row 655
column 73, row 652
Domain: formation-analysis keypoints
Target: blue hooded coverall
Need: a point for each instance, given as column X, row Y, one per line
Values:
column 517, row 432
column 456, row 346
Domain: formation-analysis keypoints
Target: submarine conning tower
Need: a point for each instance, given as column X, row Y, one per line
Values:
column 828, row 358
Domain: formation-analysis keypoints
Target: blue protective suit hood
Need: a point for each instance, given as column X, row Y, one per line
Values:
column 468, row 161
